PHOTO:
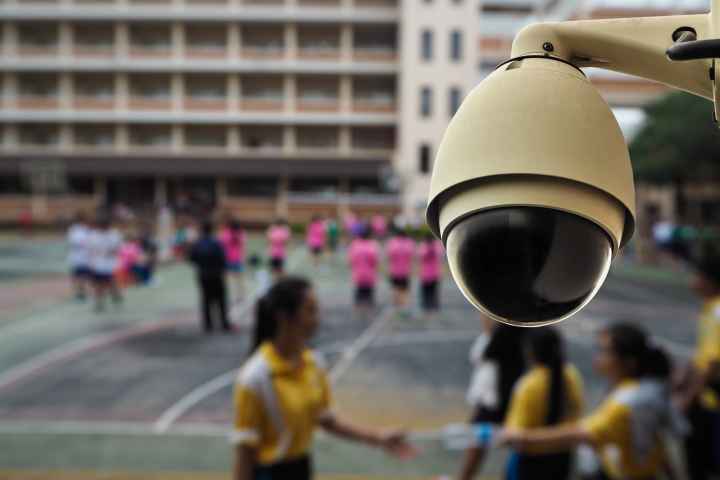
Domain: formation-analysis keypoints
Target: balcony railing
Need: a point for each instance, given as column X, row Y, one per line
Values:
column 149, row 103
column 204, row 103
column 88, row 102
column 36, row 102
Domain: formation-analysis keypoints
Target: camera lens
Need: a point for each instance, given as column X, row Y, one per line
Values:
column 528, row 266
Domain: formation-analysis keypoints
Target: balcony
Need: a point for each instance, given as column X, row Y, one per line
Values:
column 318, row 3
column 150, row 41
column 38, row 92
column 262, row 94
column 374, row 95
column 265, row 42
column 316, row 43
column 150, row 92
column 373, row 139
column 39, row 136
column 94, row 92
column 262, row 139
column 317, row 95
column 38, row 39
column 206, row 138
column 205, row 42
column 205, row 93
column 151, row 137
column 317, row 139
column 94, row 137
column 375, row 44
column 94, row 41
column 375, row 3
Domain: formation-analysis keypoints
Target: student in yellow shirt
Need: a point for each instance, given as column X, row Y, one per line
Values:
column 698, row 386
column 550, row 393
column 628, row 427
column 282, row 393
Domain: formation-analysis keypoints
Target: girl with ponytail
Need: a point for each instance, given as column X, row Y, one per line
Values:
column 283, row 393
column 549, row 394
column 628, row 428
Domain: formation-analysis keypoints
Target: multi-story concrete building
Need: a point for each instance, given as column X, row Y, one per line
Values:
column 264, row 107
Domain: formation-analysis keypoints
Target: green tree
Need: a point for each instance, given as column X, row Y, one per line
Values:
column 678, row 143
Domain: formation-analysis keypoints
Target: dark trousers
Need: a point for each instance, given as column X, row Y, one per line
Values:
column 700, row 445
column 300, row 469
column 214, row 297
column 556, row 466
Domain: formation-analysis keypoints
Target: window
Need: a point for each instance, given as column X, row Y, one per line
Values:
column 426, row 41
column 425, row 102
column 456, row 45
column 424, row 158
column 455, row 99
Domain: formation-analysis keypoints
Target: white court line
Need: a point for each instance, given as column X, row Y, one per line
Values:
column 367, row 337
column 75, row 348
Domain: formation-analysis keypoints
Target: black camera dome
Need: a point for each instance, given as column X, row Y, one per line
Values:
column 528, row 266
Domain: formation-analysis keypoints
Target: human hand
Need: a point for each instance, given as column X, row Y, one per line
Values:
column 395, row 443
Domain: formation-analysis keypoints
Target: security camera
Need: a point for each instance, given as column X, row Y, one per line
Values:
column 532, row 192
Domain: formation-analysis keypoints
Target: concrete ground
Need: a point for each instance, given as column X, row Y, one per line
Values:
column 139, row 392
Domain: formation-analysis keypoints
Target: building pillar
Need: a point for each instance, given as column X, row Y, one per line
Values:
column 122, row 40
column 10, row 90
column 346, row 42
column 289, row 139
column 177, row 34
column 122, row 137
column 234, row 39
column 65, row 40
column 10, row 40
column 12, row 135
column 177, row 91
column 221, row 190
column 282, row 204
column 291, row 42
column 343, row 206
column 345, row 140
column 66, row 140
column 233, row 92
column 161, row 193
column 177, row 138
column 122, row 91
column 233, row 143
column 66, row 91
column 346, row 94
column 101, row 190
column 290, row 93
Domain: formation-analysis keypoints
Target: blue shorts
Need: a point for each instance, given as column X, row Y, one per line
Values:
column 102, row 277
column 235, row 267
column 82, row 272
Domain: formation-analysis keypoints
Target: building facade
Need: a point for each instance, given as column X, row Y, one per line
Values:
column 263, row 107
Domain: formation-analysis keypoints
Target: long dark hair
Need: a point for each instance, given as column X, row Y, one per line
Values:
column 641, row 357
column 546, row 347
column 286, row 296
column 504, row 349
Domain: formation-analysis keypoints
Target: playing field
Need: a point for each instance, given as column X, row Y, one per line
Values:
column 139, row 393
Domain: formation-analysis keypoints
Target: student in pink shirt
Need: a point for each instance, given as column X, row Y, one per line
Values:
column 363, row 256
column 278, row 236
column 430, row 253
column 400, row 251
column 129, row 257
column 316, row 236
column 233, row 240
column 379, row 226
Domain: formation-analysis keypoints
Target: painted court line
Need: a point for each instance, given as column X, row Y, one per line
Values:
column 76, row 348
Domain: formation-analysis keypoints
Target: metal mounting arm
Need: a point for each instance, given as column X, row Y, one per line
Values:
column 637, row 46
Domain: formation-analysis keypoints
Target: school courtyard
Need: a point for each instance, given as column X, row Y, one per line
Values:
column 139, row 392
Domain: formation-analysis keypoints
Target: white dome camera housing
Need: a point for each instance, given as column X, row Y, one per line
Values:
column 532, row 192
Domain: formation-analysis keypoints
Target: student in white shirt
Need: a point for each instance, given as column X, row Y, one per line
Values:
column 78, row 238
column 105, row 243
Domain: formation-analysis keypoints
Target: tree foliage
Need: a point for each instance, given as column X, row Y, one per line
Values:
column 679, row 141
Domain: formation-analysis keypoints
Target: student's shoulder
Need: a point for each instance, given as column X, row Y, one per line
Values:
column 254, row 372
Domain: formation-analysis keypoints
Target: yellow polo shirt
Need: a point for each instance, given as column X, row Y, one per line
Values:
column 529, row 402
column 708, row 347
column 611, row 430
column 277, row 404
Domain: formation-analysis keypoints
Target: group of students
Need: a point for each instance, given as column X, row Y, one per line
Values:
column 538, row 405
column 526, row 396
column 102, row 258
